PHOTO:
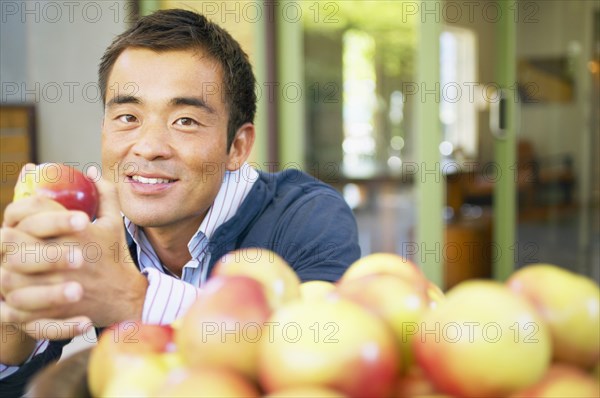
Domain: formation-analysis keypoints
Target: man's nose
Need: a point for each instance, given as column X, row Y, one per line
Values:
column 153, row 141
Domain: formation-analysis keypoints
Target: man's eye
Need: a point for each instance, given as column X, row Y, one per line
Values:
column 186, row 121
column 127, row 118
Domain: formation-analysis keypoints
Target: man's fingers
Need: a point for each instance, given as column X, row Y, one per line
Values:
column 23, row 254
column 16, row 211
column 50, row 329
column 44, row 298
column 109, row 199
column 54, row 223
column 9, row 314
column 58, row 329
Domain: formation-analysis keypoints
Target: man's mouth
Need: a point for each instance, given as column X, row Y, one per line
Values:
column 151, row 180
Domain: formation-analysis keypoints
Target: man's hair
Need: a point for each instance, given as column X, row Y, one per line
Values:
column 176, row 29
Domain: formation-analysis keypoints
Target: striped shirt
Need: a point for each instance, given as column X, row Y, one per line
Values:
column 168, row 296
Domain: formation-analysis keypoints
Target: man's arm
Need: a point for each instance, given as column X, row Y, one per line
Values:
column 15, row 346
column 318, row 236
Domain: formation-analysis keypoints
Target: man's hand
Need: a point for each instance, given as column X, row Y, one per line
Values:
column 55, row 264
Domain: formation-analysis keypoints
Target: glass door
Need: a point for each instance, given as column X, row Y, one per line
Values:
column 556, row 62
column 524, row 129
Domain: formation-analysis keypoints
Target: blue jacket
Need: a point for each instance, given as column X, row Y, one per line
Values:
column 291, row 213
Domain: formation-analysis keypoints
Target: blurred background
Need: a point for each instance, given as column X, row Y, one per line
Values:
column 464, row 135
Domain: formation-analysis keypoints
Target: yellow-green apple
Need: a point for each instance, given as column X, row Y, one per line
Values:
column 316, row 290
column 396, row 301
column 482, row 341
column 570, row 304
column 305, row 392
column 281, row 282
column 134, row 346
column 207, row 382
column 333, row 344
column 224, row 325
column 562, row 381
column 140, row 378
column 386, row 263
column 64, row 184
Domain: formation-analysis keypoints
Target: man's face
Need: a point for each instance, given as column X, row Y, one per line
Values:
column 164, row 135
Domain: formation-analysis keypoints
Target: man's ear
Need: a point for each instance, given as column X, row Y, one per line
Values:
column 241, row 146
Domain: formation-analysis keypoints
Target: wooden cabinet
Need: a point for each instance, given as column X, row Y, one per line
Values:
column 17, row 146
column 468, row 250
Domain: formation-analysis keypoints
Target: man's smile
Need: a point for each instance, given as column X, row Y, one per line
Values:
column 151, row 180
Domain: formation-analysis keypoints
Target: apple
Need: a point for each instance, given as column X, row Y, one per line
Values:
column 435, row 294
column 570, row 304
column 206, row 382
column 130, row 345
column 334, row 344
column 64, row 184
column 141, row 377
column 224, row 325
column 201, row 381
column 386, row 263
column 316, row 290
column 305, row 392
column 281, row 282
column 396, row 301
column 414, row 384
column 482, row 341
column 562, row 381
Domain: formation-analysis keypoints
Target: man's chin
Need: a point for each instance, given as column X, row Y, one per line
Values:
column 152, row 220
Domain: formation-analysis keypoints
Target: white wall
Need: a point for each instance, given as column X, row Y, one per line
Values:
column 563, row 28
column 49, row 56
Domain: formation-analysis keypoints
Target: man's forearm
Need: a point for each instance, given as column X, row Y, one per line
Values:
column 15, row 345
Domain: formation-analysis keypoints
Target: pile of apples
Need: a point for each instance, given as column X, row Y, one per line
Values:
column 383, row 330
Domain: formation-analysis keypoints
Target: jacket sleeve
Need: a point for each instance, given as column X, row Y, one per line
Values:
column 318, row 236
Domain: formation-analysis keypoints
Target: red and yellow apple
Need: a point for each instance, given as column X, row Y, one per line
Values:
column 386, row 263
column 316, row 291
column 206, row 382
column 305, row 392
column 414, row 384
column 397, row 302
column 334, row 344
column 64, row 184
column 279, row 279
column 131, row 347
column 482, row 341
column 223, row 326
column 562, row 381
column 570, row 304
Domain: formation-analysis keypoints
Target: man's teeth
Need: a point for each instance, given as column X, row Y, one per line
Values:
column 145, row 180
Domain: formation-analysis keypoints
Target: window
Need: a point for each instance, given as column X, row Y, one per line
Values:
column 458, row 84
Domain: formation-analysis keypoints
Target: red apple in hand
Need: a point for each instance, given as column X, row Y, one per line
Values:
column 64, row 184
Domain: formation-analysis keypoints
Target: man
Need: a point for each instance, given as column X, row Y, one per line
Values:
column 178, row 127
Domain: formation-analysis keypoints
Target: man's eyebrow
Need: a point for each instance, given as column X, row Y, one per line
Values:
column 123, row 99
column 192, row 101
